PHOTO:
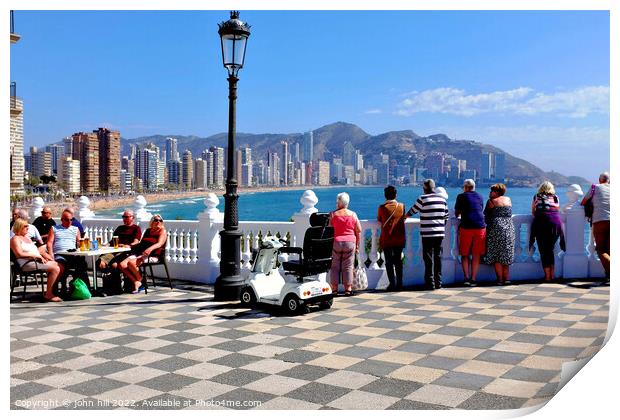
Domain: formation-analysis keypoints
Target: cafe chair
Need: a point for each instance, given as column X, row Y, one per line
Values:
column 152, row 262
column 18, row 274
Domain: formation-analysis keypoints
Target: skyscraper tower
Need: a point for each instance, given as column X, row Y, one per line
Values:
column 109, row 160
column 16, row 132
column 284, row 163
column 308, row 147
column 57, row 151
column 171, row 149
column 188, row 169
column 86, row 150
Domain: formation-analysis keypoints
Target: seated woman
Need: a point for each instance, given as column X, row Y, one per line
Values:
column 150, row 246
column 30, row 259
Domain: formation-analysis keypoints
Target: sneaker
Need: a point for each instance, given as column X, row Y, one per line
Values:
column 467, row 282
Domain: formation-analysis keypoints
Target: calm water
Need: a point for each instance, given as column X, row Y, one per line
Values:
column 281, row 205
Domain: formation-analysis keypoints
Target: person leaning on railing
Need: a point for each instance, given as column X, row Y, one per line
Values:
column 150, row 246
column 599, row 193
column 30, row 259
column 547, row 227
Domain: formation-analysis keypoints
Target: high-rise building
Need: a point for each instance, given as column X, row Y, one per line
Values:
column 171, row 149
column 68, row 146
column 273, row 164
column 174, row 172
column 383, row 173
column 308, row 147
column 486, row 166
column 207, row 157
column 200, row 173
column 69, row 174
column 359, row 160
column 40, row 163
column 188, row 170
column 284, row 163
column 147, row 168
column 86, row 150
column 323, row 171
column 218, row 166
column 109, row 160
column 296, row 153
column 238, row 163
column 57, row 151
column 16, row 132
column 500, row 166
column 126, row 180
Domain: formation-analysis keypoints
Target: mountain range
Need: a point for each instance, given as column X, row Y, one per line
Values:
column 406, row 147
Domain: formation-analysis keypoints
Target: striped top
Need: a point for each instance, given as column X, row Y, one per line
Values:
column 64, row 238
column 433, row 211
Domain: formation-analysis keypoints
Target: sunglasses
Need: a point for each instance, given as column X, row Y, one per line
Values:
column 157, row 220
column 126, row 217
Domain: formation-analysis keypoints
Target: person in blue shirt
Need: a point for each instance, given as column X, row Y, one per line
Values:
column 472, row 230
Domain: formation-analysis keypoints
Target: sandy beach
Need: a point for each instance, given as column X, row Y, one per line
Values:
column 102, row 203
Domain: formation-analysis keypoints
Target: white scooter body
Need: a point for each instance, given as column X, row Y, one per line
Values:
column 271, row 287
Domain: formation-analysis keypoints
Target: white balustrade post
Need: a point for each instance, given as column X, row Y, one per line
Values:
column 301, row 219
column 575, row 258
column 448, row 262
column 374, row 253
column 139, row 209
column 83, row 211
column 37, row 207
column 209, row 237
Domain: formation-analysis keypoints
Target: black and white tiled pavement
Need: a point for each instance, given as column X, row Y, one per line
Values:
column 463, row 348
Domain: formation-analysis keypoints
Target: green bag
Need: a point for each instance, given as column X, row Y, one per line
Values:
column 79, row 290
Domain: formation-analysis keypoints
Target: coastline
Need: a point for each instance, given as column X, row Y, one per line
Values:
column 105, row 203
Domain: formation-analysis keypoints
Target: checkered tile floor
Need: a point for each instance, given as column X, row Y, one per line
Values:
column 465, row 348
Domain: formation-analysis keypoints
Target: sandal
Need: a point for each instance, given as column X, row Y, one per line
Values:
column 138, row 290
column 52, row 299
column 348, row 293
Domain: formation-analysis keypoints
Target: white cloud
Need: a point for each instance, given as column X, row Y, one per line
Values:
column 583, row 151
column 576, row 103
column 373, row 111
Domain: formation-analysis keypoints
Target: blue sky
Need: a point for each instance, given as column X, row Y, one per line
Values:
column 533, row 83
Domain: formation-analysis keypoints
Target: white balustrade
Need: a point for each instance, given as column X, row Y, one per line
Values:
column 193, row 247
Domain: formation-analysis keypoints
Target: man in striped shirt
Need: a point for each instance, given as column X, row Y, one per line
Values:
column 433, row 211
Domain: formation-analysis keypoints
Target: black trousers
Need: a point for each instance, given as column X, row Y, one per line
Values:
column 431, row 253
column 394, row 266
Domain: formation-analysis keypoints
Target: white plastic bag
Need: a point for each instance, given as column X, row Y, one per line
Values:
column 360, row 281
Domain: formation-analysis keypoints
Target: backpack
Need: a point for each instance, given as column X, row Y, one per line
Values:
column 112, row 283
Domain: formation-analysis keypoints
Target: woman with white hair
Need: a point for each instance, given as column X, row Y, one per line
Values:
column 547, row 227
column 347, row 232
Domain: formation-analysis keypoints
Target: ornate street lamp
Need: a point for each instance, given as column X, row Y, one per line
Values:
column 234, row 35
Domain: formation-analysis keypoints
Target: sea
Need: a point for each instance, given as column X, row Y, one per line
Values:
column 280, row 205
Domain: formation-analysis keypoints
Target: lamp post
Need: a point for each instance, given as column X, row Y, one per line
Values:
column 234, row 36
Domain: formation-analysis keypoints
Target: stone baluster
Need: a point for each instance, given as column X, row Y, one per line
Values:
column 247, row 254
column 140, row 213
column 83, row 211
column 168, row 241
column 208, row 253
column 529, row 250
column 185, row 245
column 37, row 207
column 301, row 219
column 173, row 245
column 193, row 253
column 409, row 253
column 374, row 255
column 575, row 261
column 363, row 254
column 518, row 240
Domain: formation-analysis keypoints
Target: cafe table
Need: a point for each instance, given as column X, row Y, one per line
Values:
column 94, row 253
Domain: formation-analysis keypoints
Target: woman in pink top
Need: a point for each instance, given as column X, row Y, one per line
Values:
column 347, row 230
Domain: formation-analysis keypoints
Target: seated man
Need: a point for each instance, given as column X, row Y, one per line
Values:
column 129, row 234
column 44, row 223
column 75, row 222
column 62, row 238
column 33, row 232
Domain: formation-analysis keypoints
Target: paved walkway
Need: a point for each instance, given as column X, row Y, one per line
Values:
column 465, row 348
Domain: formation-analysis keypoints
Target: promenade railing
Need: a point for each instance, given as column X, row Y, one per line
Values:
column 193, row 246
